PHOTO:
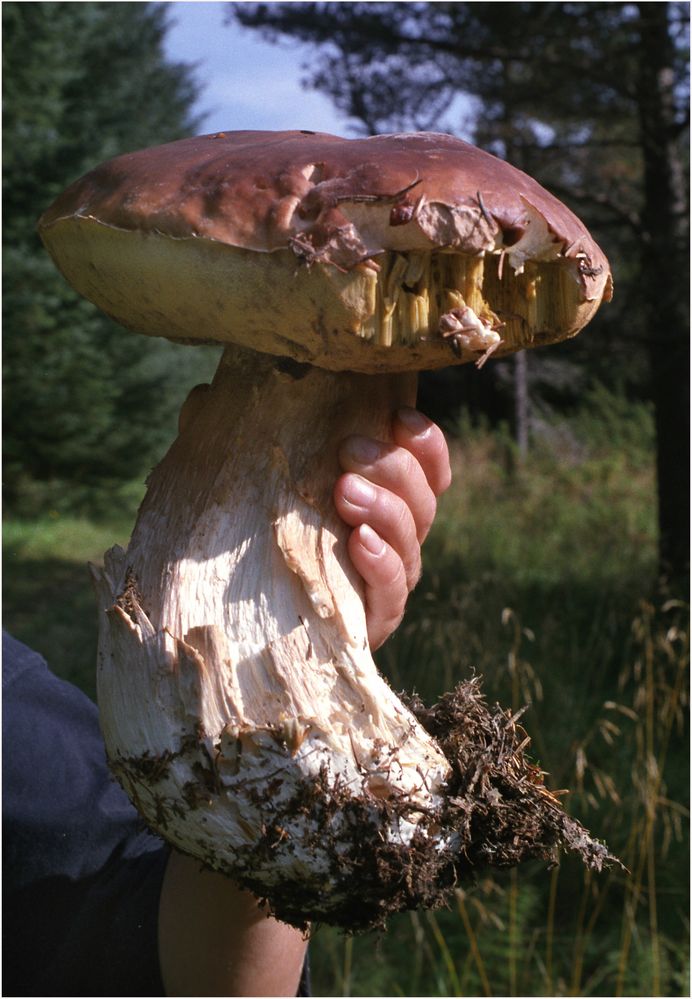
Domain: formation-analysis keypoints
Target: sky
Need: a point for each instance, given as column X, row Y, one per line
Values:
column 246, row 83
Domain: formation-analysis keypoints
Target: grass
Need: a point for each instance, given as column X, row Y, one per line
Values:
column 48, row 601
column 541, row 576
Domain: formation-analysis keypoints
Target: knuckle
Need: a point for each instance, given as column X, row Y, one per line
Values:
column 397, row 587
column 402, row 519
column 391, row 572
column 410, row 466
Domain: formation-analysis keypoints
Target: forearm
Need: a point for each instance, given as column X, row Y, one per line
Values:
column 216, row 940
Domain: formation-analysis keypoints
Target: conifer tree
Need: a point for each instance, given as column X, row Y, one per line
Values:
column 86, row 404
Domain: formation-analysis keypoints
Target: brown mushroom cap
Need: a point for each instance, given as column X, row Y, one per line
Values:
column 286, row 242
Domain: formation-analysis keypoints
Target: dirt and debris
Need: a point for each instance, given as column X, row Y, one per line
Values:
column 497, row 798
column 130, row 598
column 497, row 812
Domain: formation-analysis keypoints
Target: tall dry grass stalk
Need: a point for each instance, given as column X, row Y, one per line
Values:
column 659, row 677
column 565, row 932
column 535, row 579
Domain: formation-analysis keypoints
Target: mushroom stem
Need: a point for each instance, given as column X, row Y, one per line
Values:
column 240, row 705
column 239, row 700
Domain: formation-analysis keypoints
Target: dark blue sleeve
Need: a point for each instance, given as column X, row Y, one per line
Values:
column 81, row 875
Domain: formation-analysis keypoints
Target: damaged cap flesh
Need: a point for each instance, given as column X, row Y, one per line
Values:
column 240, row 705
column 368, row 244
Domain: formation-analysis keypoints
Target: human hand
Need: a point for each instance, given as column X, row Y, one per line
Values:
column 388, row 495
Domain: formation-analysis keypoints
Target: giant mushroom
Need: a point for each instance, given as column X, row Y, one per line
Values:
column 240, row 704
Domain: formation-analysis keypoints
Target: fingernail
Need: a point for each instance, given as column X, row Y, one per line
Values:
column 371, row 540
column 413, row 420
column 359, row 492
column 363, row 449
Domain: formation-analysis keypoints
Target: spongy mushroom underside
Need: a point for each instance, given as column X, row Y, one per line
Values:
column 384, row 316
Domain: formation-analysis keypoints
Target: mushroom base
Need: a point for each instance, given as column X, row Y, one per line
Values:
column 496, row 812
column 240, row 705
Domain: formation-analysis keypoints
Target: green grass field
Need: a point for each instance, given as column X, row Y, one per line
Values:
column 541, row 577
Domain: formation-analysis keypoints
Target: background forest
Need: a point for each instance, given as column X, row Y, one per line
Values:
column 558, row 565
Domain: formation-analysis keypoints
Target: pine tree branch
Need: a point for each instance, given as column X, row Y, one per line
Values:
column 586, row 198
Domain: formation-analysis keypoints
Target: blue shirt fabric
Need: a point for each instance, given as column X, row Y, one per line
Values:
column 81, row 874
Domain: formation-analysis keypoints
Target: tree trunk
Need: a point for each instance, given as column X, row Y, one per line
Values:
column 665, row 270
column 521, row 403
column 514, row 155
